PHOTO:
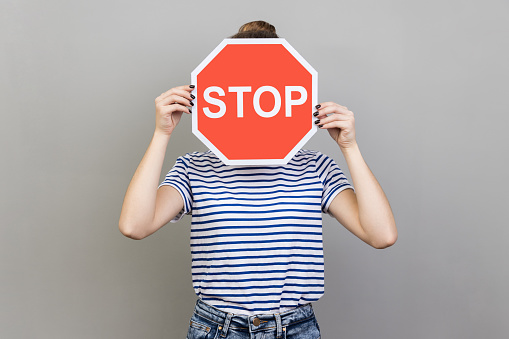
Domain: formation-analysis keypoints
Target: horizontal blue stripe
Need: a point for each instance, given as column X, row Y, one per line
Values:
column 227, row 191
column 319, row 249
column 297, row 179
column 255, row 242
column 259, row 257
column 261, row 287
column 242, row 301
column 258, row 187
column 255, row 279
column 317, row 196
column 210, row 156
column 257, row 227
column 264, row 272
column 258, row 205
column 230, row 299
column 254, row 310
column 253, row 234
column 220, row 168
column 212, row 161
column 309, row 299
column 301, row 174
column 268, row 294
column 202, row 222
column 230, row 308
column 279, row 169
column 210, row 297
column 243, row 211
column 248, row 302
column 259, row 264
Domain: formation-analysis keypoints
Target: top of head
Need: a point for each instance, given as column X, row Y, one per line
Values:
column 256, row 29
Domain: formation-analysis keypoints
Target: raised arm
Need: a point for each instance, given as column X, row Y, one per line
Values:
column 366, row 212
column 145, row 208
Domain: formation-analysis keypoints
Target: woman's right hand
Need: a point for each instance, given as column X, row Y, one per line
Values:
column 170, row 106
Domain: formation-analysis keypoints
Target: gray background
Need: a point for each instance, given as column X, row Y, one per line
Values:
column 425, row 79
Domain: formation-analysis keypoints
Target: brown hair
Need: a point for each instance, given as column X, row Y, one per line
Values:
column 256, row 29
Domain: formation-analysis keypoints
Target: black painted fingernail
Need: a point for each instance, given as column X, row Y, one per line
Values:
column 191, row 103
column 318, row 106
column 315, row 114
column 317, row 122
column 320, row 126
column 191, row 86
column 190, row 111
column 193, row 97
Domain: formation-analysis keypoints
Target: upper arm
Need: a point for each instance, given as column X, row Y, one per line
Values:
column 345, row 209
column 169, row 203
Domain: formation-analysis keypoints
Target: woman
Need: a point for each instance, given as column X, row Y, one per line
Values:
column 256, row 237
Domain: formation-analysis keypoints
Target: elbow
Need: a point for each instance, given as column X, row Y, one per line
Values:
column 129, row 231
column 385, row 241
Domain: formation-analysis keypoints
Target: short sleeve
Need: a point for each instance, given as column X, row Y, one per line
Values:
column 333, row 179
column 178, row 178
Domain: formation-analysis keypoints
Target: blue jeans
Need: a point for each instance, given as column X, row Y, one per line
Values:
column 209, row 322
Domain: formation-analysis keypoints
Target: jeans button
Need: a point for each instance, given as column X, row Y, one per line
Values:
column 256, row 321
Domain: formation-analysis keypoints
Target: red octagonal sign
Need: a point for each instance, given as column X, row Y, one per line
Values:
column 254, row 101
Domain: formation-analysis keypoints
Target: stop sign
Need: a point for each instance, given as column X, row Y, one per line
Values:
column 254, row 101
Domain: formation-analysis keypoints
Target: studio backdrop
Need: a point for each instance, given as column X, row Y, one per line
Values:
column 426, row 81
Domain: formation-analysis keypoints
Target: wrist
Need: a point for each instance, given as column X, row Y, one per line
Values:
column 352, row 148
column 161, row 136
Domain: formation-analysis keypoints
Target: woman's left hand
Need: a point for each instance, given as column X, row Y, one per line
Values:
column 340, row 122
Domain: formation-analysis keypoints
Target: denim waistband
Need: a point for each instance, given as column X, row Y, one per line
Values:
column 254, row 323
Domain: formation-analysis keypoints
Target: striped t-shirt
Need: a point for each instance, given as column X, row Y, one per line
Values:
column 256, row 231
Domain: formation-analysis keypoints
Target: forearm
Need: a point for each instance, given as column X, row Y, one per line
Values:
column 375, row 214
column 139, row 204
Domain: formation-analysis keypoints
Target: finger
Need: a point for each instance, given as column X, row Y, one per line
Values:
column 323, row 105
column 182, row 93
column 176, row 108
column 175, row 98
column 179, row 89
column 335, row 124
column 332, row 109
column 329, row 103
column 333, row 117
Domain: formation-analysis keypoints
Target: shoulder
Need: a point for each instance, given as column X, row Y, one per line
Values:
column 199, row 159
column 316, row 156
column 196, row 155
column 309, row 159
column 307, row 153
column 323, row 164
